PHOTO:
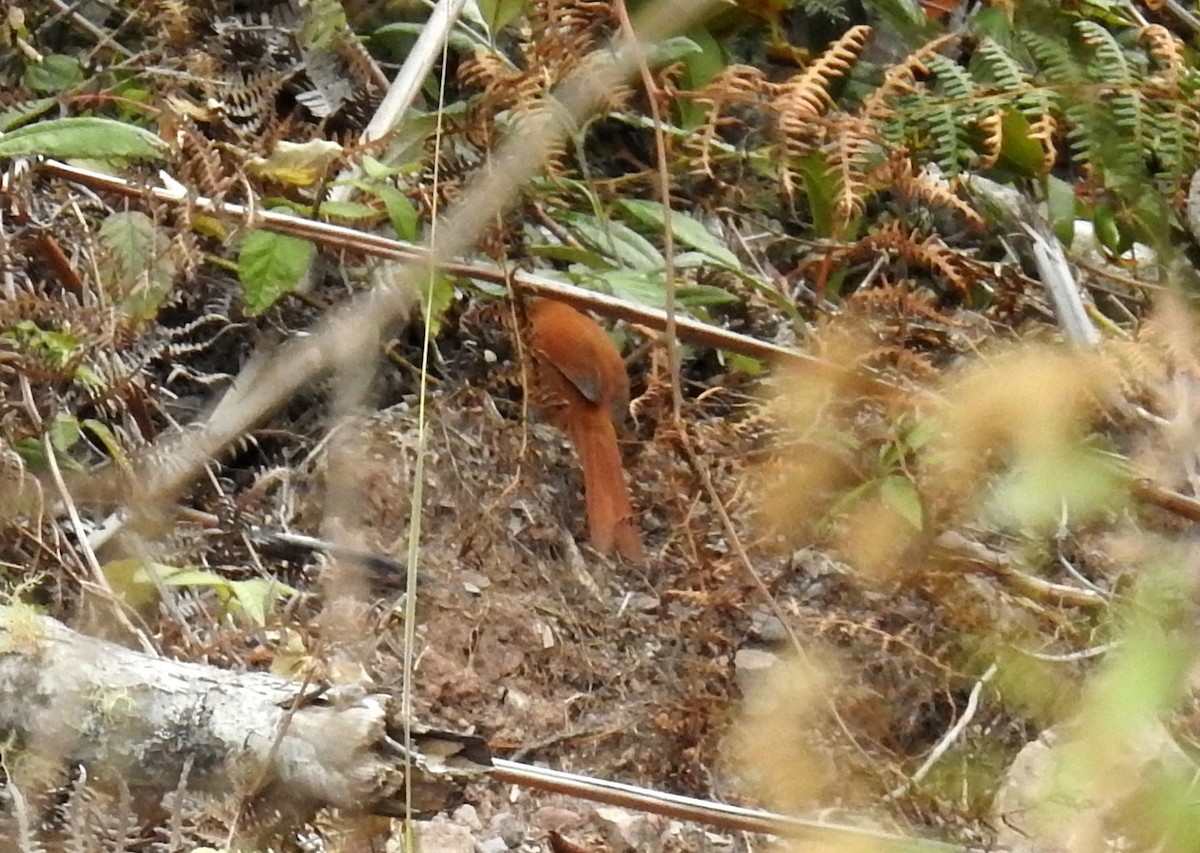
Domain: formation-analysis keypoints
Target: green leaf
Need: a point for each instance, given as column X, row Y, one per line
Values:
column 820, row 188
column 1044, row 481
column 615, row 240
column 436, row 304
column 1018, row 149
column 900, row 495
column 55, row 73
column 194, row 577
column 253, row 598
column 1109, row 232
column 348, row 211
column 685, row 229
column 703, row 295
column 24, row 112
column 571, row 255
column 400, row 210
column 136, row 265
column 105, row 436
column 64, row 432
column 498, row 14
column 672, row 50
column 133, row 579
column 636, row 286
column 299, row 164
column 1060, row 204
column 270, row 265
column 744, row 363
column 83, row 136
column 700, row 67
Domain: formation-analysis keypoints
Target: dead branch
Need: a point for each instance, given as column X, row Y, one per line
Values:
column 154, row 725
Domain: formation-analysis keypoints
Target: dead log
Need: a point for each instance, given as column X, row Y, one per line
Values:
column 155, row 726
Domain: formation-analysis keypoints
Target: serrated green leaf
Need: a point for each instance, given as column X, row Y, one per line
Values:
column 24, row 112
column 685, row 229
column 55, row 73
column 269, row 266
column 83, row 136
column 136, row 265
column 436, row 304
column 64, row 432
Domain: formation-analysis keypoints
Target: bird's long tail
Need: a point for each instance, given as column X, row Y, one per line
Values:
column 611, row 523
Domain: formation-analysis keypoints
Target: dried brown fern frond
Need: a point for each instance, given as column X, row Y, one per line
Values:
column 563, row 35
column 913, row 186
column 991, row 137
column 853, row 140
column 1043, row 130
column 806, row 95
column 931, row 254
column 735, row 85
column 800, row 101
column 1166, row 49
column 901, row 78
column 565, row 31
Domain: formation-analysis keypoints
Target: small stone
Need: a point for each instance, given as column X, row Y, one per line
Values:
column 506, row 825
column 767, row 627
column 495, row 844
column 465, row 815
column 626, row 831
column 444, row 837
column 516, row 700
column 555, row 819
column 750, row 664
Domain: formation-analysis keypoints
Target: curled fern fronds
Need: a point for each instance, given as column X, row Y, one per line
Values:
column 1167, row 51
column 800, row 101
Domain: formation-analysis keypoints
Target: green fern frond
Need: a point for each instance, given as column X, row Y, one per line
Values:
column 836, row 9
column 1054, row 57
column 953, row 79
column 1111, row 65
column 951, row 145
column 1001, row 66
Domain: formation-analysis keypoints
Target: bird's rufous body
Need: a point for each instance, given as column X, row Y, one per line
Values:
column 583, row 389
